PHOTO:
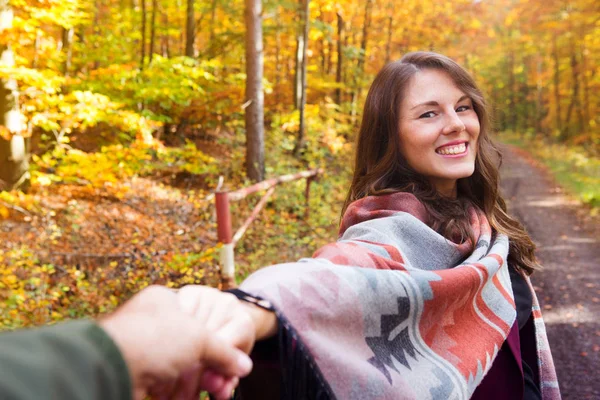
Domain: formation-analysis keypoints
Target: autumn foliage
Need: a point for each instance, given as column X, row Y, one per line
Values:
column 130, row 120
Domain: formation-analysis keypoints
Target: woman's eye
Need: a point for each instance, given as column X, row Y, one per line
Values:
column 428, row 114
column 463, row 108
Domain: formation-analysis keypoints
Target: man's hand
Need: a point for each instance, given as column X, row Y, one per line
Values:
column 178, row 343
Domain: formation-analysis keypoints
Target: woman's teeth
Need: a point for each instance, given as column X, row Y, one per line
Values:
column 458, row 149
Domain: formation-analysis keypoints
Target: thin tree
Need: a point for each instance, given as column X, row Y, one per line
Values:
column 574, row 103
column 513, row 90
column 340, row 58
column 166, row 51
column 301, row 64
column 254, row 106
column 277, row 56
column 153, row 28
column 67, row 49
column 143, row 29
column 190, row 29
column 586, row 90
column 390, row 30
column 556, row 59
column 36, row 49
column 361, row 59
column 14, row 156
column 365, row 36
column 213, row 14
column 539, row 98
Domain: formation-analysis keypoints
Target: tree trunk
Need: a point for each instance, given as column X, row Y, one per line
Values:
column 329, row 55
column 213, row 14
column 586, row 90
column 365, row 36
column 143, row 28
column 166, row 51
column 254, row 114
column 513, row 90
column 67, row 49
column 494, row 108
column 340, row 58
column 298, row 64
column 153, row 28
column 36, row 48
column 96, row 31
column 501, row 111
column 539, row 99
column 574, row 104
column 390, row 28
column 278, row 67
column 322, row 44
column 356, row 91
column 181, row 42
column 189, row 29
column 323, row 55
column 14, row 152
column 302, row 52
column 557, row 84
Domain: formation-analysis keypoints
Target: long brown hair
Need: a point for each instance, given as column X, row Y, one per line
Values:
column 380, row 167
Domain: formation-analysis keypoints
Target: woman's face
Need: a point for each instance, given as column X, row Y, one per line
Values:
column 438, row 130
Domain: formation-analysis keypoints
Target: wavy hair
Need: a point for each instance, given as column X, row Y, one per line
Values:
column 380, row 168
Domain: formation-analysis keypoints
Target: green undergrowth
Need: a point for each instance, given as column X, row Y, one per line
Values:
column 575, row 168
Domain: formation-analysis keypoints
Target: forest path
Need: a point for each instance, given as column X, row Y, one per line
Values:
column 569, row 286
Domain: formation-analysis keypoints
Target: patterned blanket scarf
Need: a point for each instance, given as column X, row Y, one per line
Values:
column 393, row 310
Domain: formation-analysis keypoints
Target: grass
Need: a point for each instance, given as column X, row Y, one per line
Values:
column 573, row 167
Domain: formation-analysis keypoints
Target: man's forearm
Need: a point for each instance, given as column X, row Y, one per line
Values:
column 73, row 360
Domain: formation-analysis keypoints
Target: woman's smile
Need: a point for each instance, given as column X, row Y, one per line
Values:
column 453, row 150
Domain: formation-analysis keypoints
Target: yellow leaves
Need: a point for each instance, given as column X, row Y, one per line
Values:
column 5, row 133
column 9, row 280
column 475, row 24
column 334, row 141
column 42, row 179
column 519, row 69
column 20, row 200
column 510, row 18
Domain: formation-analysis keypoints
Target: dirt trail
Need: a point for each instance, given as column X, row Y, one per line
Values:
column 569, row 286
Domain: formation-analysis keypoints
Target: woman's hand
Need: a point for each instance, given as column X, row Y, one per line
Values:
column 221, row 312
column 265, row 322
column 234, row 321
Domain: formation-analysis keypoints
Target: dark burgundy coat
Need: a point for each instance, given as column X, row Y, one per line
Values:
column 505, row 379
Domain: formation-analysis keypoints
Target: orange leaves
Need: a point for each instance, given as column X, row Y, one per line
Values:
column 83, row 246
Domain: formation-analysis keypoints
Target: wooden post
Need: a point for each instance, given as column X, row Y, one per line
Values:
column 226, row 257
column 307, row 196
column 224, row 229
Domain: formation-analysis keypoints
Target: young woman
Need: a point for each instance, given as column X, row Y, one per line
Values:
column 426, row 293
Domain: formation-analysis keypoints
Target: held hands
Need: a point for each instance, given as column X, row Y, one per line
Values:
column 177, row 344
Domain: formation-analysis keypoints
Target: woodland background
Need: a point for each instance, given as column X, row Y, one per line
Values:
column 117, row 118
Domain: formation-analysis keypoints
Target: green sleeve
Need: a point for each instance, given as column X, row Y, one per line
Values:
column 68, row 361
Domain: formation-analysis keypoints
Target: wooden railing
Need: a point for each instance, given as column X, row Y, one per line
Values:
column 223, row 201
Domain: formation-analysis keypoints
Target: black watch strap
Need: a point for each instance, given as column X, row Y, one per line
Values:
column 257, row 301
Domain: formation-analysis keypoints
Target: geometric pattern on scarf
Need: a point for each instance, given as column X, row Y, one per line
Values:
column 393, row 310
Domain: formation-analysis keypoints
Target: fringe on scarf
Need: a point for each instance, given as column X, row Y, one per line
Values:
column 301, row 378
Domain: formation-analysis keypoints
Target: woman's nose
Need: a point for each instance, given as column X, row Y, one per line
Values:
column 453, row 124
